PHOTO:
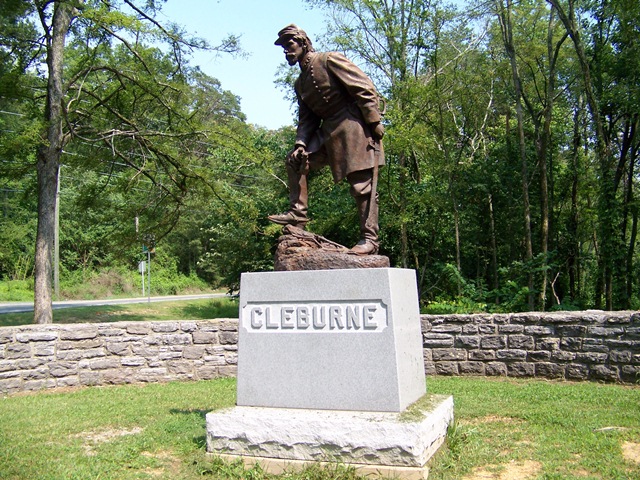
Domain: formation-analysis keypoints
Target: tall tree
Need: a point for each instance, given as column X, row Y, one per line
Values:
column 102, row 81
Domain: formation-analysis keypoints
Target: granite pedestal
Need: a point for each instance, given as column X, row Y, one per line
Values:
column 327, row 361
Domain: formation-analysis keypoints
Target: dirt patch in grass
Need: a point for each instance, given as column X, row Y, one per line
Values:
column 94, row 438
column 168, row 460
column 510, row 471
column 492, row 419
column 631, row 452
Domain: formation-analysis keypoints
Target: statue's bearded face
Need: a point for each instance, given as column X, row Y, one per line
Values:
column 293, row 51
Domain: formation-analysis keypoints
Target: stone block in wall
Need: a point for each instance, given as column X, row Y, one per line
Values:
column 177, row 339
column 571, row 330
column 597, row 331
column 605, row 372
column 471, row 368
column 624, row 344
column 1, row 352
column 63, row 369
column 6, row 337
column 547, row 343
column 193, row 352
column 229, row 325
column 79, row 355
column 17, row 350
column 511, row 355
column 115, row 377
column 487, row 329
column 577, row 371
column 139, row 328
column 27, row 337
column 630, row 373
column 188, row 326
column 180, row 367
column 36, row 374
column 216, row 360
column 231, row 358
column 493, row 342
column 205, row 337
column 228, row 371
column 496, row 369
column 470, row 329
column 7, row 365
column 80, row 344
column 447, row 368
column 109, row 330
column 539, row 355
column 207, row 372
column 137, row 361
column 430, row 369
column 525, row 342
column 521, row 369
column 591, row 357
column 164, row 327
column 467, row 341
column 529, row 317
column 594, row 345
column 425, row 324
column 435, row 340
column 71, row 381
column 635, row 359
column 633, row 333
column 89, row 378
column 79, row 333
column 157, row 374
column 29, row 363
column 572, row 344
column 448, row 354
column 118, row 348
column 482, row 355
column 229, row 338
column 620, row 356
column 10, row 385
column 34, row 385
column 539, row 330
column 47, row 349
column 103, row 363
column 447, row 329
column 510, row 329
column 562, row 356
column 550, row 370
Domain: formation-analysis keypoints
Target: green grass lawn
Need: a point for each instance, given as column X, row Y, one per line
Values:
column 183, row 310
column 527, row 429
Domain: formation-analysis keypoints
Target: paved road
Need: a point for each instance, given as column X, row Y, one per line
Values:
column 18, row 307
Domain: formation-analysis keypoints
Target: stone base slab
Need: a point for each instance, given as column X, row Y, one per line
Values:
column 401, row 442
column 276, row 466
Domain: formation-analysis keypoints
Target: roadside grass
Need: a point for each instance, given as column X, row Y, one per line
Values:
column 529, row 429
column 184, row 310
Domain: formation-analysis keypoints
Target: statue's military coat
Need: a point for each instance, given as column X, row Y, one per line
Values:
column 337, row 102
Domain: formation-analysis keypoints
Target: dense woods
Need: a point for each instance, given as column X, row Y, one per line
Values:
column 512, row 149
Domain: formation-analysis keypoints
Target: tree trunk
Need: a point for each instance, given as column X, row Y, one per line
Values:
column 48, row 160
column 606, row 202
column 504, row 16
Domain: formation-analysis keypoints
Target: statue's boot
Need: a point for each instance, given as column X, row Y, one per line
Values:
column 298, row 201
column 368, row 212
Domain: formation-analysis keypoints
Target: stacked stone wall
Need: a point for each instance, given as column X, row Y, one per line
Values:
column 587, row 345
column 35, row 357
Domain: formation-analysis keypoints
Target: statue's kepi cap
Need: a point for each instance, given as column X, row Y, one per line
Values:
column 287, row 32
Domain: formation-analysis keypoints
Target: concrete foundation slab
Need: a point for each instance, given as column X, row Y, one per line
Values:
column 397, row 443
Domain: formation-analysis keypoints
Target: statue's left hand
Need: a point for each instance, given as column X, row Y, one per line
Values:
column 377, row 130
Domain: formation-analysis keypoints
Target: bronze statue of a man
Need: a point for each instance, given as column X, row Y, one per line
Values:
column 338, row 125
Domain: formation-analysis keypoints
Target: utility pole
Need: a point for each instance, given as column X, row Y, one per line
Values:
column 56, row 243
